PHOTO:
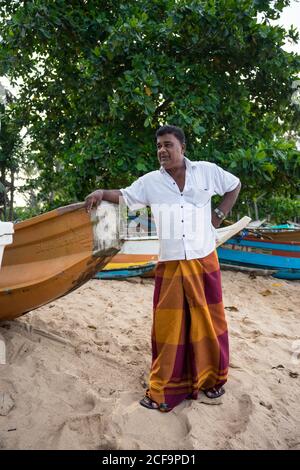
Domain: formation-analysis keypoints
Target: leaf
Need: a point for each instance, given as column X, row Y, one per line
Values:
column 198, row 129
column 266, row 405
column 266, row 292
column 44, row 33
column 141, row 166
column 148, row 121
column 294, row 375
column 97, row 51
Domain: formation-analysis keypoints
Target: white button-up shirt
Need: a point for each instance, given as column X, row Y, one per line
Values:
column 182, row 218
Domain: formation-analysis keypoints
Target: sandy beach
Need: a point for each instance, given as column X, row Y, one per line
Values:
column 76, row 368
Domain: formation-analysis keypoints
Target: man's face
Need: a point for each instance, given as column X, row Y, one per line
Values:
column 170, row 151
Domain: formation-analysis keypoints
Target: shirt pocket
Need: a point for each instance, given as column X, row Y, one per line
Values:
column 201, row 197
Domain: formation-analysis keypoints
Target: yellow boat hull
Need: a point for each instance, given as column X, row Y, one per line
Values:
column 53, row 254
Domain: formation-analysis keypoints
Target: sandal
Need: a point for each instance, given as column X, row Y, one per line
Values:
column 164, row 407
column 214, row 392
column 152, row 405
column 148, row 403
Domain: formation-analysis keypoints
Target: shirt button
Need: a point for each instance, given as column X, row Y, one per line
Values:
column 173, row 183
column 183, row 235
column 182, row 221
column 181, row 207
column 181, row 194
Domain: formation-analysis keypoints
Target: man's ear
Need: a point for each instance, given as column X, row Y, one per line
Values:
column 183, row 147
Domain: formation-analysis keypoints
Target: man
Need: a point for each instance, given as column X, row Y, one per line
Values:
column 189, row 334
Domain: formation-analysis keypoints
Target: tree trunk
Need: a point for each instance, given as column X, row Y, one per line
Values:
column 249, row 210
column 12, row 190
column 256, row 210
column 4, row 193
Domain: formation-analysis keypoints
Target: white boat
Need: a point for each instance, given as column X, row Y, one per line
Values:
column 6, row 236
column 150, row 245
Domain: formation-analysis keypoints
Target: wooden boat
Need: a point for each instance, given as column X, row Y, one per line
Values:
column 53, row 254
column 125, row 270
column 254, row 224
column 282, row 235
column 281, row 227
column 282, row 259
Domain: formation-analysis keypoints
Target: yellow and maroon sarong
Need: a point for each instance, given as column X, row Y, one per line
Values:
column 189, row 334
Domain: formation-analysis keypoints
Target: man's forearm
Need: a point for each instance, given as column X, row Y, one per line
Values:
column 111, row 195
column 229, row 200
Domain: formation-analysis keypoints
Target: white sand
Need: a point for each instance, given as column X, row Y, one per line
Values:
column 77, row 367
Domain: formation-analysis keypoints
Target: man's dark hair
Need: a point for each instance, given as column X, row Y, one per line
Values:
column 177, row 131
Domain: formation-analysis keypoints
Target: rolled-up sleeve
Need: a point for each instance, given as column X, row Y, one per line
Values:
column 224, row 182
column 135, row 195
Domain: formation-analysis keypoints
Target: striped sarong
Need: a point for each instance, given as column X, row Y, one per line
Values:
column 189, row 333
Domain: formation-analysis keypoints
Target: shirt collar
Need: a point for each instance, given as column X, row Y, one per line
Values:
column 188, row 164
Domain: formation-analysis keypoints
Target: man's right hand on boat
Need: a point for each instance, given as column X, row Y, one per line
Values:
column 93, row 200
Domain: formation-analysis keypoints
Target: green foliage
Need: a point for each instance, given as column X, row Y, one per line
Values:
column 98, row 77
column 276, row 209
column 269, row 168
column 23, row 213
column 280, row 209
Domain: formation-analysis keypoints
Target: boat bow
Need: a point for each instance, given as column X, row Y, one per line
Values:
column 55, row 253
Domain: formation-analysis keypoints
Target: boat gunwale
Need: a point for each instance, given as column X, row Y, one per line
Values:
column 49, row 215
column 283, row 262
column 276, row 246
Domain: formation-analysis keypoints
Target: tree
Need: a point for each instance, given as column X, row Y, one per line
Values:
column 11, row 156
column 98, row 77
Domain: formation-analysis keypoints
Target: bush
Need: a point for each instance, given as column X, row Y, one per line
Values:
column 23, row 213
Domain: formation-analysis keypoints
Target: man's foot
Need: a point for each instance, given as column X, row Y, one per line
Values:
column 148, row 403
column 214, row 392
column 152, row 405
column 164, row 407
